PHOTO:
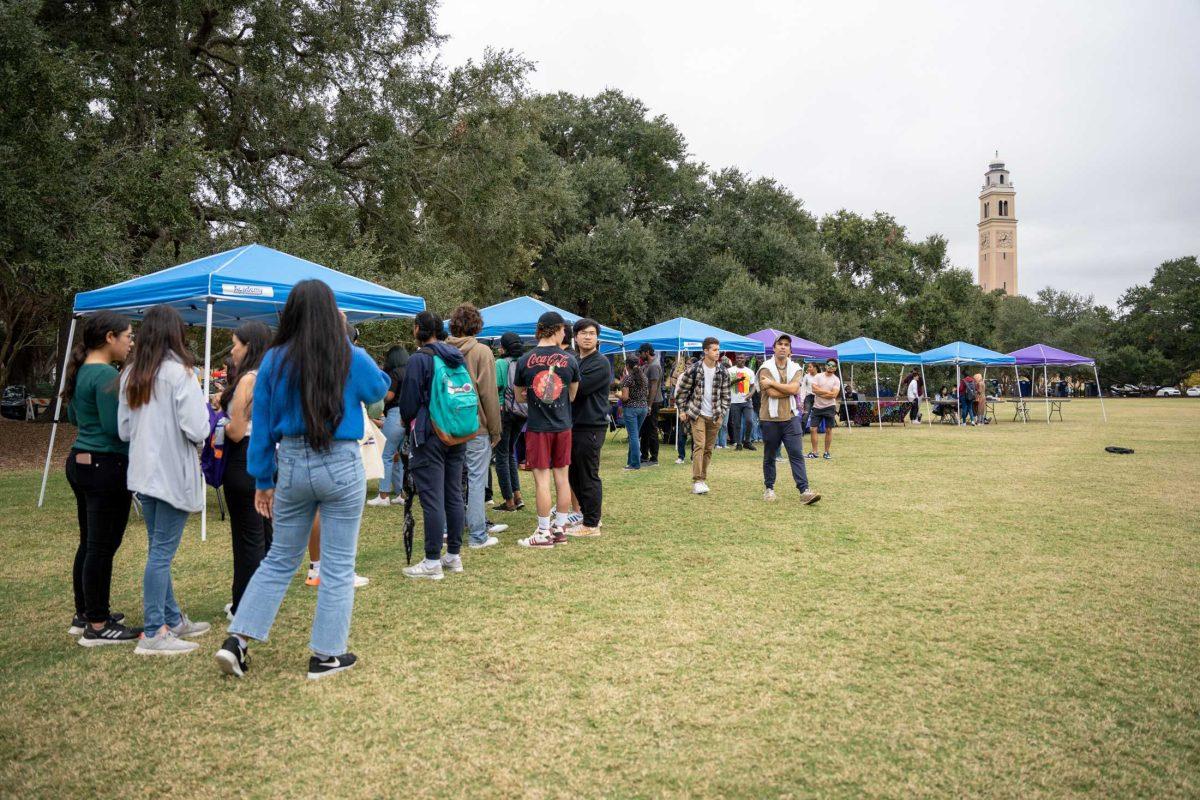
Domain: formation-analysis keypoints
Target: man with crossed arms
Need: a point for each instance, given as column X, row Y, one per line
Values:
column 779, row 384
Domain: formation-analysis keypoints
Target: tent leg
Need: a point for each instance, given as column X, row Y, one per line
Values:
column 1017, row 373
column 849, row 424
column 208, row 316
column 62, row 382
column 958, row 382
column 1046, row 392
column 878, row 403
column 925, row 383
column 1099, row 392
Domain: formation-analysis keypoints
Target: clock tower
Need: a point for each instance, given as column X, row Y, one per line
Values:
column 998, row 230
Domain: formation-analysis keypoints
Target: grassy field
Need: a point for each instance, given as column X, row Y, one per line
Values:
column 1006, row 611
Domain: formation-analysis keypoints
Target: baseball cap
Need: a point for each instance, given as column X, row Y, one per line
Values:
column 551, row 319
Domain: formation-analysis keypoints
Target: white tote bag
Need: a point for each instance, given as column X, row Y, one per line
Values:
column 371, row 448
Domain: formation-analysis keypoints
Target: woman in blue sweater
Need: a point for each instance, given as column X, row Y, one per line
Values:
column 303, row 455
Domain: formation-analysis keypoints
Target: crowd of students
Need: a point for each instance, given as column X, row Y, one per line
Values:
column 291, row 416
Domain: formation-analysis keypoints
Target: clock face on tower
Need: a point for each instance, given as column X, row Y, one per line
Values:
column 1004, row 239
column 984, row 241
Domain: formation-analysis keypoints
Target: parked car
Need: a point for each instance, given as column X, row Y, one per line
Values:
column 14, row 402
column 1167, row 391
column 1124, row 390
column 1193, row 391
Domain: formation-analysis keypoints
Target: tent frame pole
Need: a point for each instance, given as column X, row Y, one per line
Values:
column 1017, row 373
column 1099, row 391
column 208, row 320
column 957, row 383
column 925, row 393
column 62, row 382
column 878, row 403
column 846, row 408
column 1046, row 392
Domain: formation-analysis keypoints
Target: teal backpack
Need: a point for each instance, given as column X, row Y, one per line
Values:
column 453, row 402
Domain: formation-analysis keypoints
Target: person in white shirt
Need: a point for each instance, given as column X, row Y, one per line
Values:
column 914, row 397
column 742, row 381
column 825, row 387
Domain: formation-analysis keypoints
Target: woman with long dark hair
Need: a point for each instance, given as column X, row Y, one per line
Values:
column 635, row 405
column 164, row 417
column 250, row 531
column 96, row 469
column 392, row 482
column 304, row 456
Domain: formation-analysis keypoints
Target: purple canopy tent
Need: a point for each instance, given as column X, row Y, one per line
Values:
column 804, row 348
column 1045, row 355
column 800, row 347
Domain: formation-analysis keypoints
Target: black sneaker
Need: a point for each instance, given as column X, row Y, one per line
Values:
column 111, row 633
column 79, row 622
column 653, row 463
column 320, row 666
column 751, row 447
column 737, row 448
column 232, row 658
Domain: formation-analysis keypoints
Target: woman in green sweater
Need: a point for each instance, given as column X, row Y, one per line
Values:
column 96, row 471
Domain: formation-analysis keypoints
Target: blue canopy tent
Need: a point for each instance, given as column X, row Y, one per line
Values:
column 959, row 353
column 226, row 289
column 864, row 350
column 682, row 335
column 520, row 316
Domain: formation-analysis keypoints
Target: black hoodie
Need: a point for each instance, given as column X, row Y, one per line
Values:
column 414, row 392
column 589, row 409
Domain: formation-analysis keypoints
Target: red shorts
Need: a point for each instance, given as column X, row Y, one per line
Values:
column 547, row 450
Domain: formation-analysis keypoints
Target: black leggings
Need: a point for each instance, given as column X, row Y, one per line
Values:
column 102, row 505
column 251, row 532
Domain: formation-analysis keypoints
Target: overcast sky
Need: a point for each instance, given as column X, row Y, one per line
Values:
column 897, row 107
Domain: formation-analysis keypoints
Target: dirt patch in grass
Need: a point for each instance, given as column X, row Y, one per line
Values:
column 23, row 444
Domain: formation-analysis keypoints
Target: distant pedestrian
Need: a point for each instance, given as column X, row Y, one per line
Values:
column 702, row 399
column 589, row 422
column 826, row 387
column 779, row 381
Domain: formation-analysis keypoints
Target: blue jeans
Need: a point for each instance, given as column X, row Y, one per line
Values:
column 750, row 420
column 723, row 432
column 478, row 454
column 333, row 482
column 393, row 474
column 967, row 409
column 507, row 472
column 164, row 530
column 634, row 417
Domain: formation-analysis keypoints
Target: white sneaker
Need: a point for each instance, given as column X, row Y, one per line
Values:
column 360, row 581
column 451, row 563
column 229, row 611
column 769, row 495
column 397, row 500
column 187, row 628
column 679, row 461
column 498, row 527
column 699, row 487
column 425, row 569
column 491, row 540
column 574, row 520
column 165, row 644
column 541, row 540
column 379, row 501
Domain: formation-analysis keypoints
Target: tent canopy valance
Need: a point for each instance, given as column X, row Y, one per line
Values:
column 865, row 350
column 520, row 316
column 965, row 353
column 800, row 346
column 247, row 283
column 681, row 335
column 1045, row 355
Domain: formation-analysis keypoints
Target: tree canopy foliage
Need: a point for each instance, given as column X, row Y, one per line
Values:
column 135, row 136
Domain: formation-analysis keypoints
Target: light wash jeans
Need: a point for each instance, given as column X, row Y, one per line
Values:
column 634, row 417
column 164, row 530
column 332, row 481
column 723, row 432
column 478, row 453
column 393, row 474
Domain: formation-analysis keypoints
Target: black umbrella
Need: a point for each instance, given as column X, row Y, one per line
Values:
column 410, row 492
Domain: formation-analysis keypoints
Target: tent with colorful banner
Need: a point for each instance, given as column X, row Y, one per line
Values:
column 1044, row 355
column 865, row 350
column 224, row 290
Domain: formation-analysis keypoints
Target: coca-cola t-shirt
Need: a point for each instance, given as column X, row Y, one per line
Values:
column 547, row 374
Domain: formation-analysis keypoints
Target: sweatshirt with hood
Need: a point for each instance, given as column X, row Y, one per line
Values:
column 414, row 392
column 482, row 366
